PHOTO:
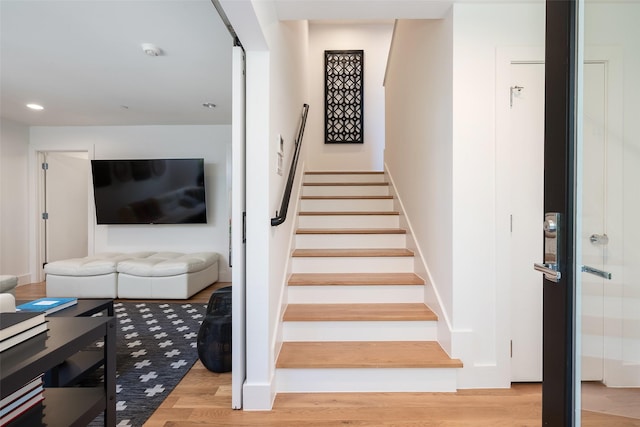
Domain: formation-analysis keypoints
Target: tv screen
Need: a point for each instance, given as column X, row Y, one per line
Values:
column 149, row 191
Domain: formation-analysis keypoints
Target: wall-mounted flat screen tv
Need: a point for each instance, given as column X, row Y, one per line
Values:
column 149, row 191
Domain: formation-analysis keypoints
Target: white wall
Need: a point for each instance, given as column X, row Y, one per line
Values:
column 479, row 30
column 462, row 217
column 276, row 54
column 121, row 142
column 374, row 39
column 418, row 153
column 14, row 200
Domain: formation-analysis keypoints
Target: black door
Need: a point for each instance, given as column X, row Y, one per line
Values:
column 558, row 394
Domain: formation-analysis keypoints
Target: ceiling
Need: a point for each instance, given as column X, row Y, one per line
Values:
column 83, row 59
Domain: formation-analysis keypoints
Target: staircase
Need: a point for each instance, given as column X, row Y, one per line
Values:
column 356, row 319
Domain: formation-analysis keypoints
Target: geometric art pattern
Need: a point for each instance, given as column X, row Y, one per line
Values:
column 156, row 345
column 344, row 96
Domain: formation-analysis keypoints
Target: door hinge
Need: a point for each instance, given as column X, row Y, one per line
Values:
column 45, row 215
column 511, row 348
column 45, row 166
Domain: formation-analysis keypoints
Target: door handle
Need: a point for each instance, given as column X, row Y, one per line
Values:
column 551, row 265
column 550, row 271
column 595, row 271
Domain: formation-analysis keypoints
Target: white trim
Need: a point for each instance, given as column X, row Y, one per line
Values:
column 258, row 396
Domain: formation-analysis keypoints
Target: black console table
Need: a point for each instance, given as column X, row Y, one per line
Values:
column 63, row 406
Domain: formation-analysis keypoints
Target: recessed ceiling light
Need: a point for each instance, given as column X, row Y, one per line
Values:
column 35, row 107
column 151, row 49
column 209, row 105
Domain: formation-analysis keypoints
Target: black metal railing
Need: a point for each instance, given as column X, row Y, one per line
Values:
column 284, row 206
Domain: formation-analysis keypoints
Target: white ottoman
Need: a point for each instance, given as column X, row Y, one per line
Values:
column 167, row 275
column 90, row 277
column 8, row 284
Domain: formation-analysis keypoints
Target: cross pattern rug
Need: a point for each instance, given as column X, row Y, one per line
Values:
column 156, row 347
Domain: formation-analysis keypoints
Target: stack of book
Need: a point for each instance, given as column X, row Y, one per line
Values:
column 47, row 305
column 21, row 400
column 20, row 326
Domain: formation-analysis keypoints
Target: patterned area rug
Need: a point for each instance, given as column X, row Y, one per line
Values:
column 156, row 347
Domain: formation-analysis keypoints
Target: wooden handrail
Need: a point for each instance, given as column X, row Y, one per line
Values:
column 284, row 206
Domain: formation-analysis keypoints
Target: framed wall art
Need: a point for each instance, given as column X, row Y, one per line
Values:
column 344, row 97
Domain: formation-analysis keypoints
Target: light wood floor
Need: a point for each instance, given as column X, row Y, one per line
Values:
column 203, row 398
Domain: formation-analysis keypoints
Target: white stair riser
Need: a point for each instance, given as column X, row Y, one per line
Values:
column 342, row 205
column 348, row 221
column 354, row 294
column 346, row 190
column 350, row 241
column 341, row 177
column 352, row 264
column 366, row 380
column 361, row 331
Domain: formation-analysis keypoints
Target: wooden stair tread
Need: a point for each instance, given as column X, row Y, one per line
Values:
column 352, row 253
column 351, row 231
column 358, row 312
column 333, row 213
column 365, row 354
column 346, row 197
column 344, row 173
column 346, row 184
column 355, row 279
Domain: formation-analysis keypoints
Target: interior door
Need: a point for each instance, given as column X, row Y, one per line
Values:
column 66, row 205
column 238, row 210
column 527, row 164
column 558, row 262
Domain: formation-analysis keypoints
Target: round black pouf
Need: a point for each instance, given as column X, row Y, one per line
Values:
column 214, row 336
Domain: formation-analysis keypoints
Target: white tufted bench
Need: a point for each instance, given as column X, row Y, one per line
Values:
column 151, row 275
column 167, row 275
column 89, row 277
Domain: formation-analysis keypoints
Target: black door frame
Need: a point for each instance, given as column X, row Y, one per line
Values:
column 559, row 334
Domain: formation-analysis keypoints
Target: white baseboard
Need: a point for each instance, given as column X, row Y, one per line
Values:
column 258, row 396
column 25, row 279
